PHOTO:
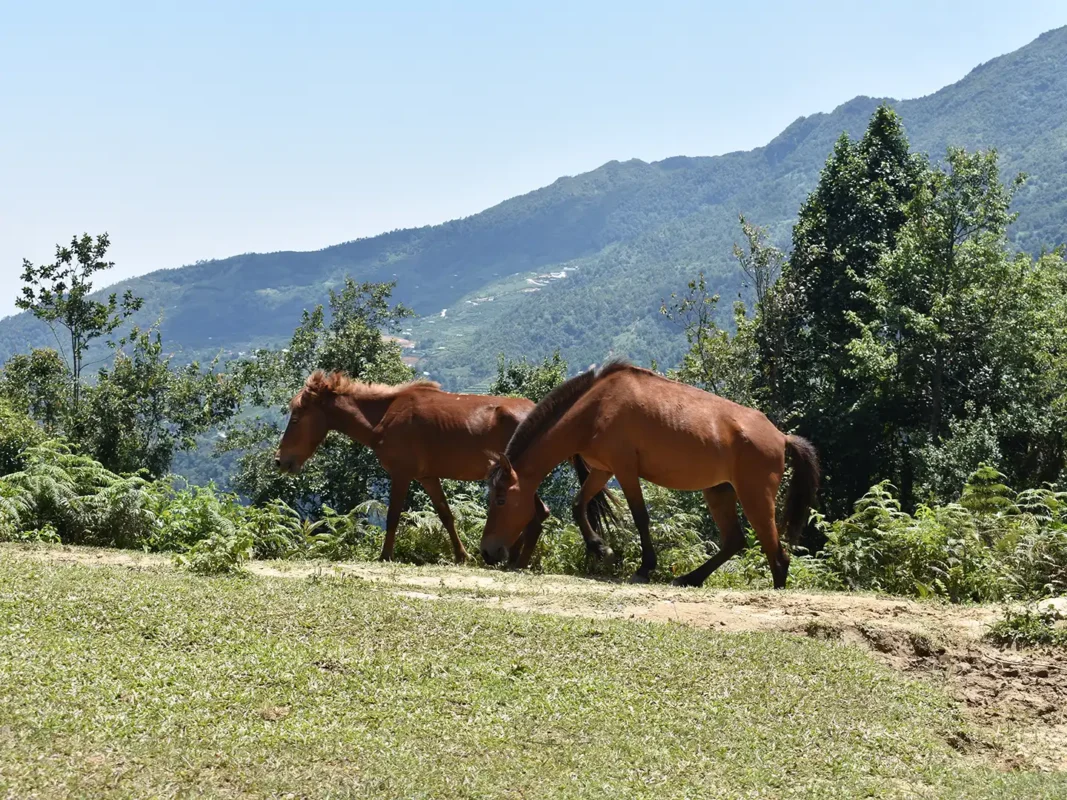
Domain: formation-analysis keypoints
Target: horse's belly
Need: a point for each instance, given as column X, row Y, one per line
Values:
column 686, row 477
column 674, row 462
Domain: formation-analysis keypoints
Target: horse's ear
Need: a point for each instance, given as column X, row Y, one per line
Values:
column 510, row 477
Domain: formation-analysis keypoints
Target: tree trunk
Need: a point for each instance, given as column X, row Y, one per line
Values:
column 936, row 395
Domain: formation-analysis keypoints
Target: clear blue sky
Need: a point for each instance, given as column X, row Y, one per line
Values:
column 193, row 130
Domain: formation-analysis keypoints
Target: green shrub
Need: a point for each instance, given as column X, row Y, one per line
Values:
column 18, row 433
column 76, row 497
column 1028, row 627
column 937, row 552
column 191, row 515
column 277, row 530
column 223, row 553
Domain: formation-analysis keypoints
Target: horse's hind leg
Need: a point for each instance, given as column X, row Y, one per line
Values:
column 594, row 482
column 398, row 494
column 523, row 554
column 758, row 503
column 722, row 503
column 440, row 505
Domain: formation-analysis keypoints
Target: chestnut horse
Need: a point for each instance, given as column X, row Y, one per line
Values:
column 418, row 432
column 632, row 423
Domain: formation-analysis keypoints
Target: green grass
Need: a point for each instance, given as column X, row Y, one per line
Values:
column 153, row 683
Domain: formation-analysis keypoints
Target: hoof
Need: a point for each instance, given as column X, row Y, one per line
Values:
column 637, row 577
column 685, row 580
column 463, row 559
column 600, row 552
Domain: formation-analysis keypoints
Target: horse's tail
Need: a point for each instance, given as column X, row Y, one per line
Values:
column 601, row 510
column 802, row 487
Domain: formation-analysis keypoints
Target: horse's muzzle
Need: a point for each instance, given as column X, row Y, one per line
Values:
column 494, row 555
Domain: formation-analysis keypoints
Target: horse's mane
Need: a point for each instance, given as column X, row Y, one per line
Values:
column 322, row 384
column 554, row 405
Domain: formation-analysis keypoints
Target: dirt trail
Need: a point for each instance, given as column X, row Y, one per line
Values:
column 1018, row 699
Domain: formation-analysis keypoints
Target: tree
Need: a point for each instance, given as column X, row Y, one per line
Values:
column 58, row 293
column 530, row 380
column 965, row 336
column 716, row 361
column 143, row 410
column 844, row 227
column 38, row 384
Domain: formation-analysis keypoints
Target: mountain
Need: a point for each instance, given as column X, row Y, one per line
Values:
column 584, row 264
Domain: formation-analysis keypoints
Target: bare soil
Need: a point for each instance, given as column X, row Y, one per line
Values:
column 1017, row 700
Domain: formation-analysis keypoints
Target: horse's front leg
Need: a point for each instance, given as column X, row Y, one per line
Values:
column 522, row 555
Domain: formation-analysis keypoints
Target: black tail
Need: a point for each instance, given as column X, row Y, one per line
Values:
column 601, row 511
column 802, row 487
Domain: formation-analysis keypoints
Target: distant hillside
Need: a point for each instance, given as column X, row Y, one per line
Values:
column 584, row 264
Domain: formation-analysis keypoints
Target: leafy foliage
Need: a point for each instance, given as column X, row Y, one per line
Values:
column 224, row 552
column 58, row 294
column 992, row 545
column 1028, row 627
column 143, row 410
column 522, row 378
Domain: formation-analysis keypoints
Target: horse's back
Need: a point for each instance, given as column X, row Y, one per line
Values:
column 448, row 435
column 682, row 437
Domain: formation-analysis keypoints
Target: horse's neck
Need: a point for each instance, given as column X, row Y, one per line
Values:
column 557, row 444
column 359, row 417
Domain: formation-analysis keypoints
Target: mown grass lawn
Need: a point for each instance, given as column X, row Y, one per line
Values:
column 130, row 683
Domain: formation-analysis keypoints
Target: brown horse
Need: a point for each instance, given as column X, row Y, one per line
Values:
column 418, row 432
column 632, row 423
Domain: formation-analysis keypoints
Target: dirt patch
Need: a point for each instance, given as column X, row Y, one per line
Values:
column 1018, row 699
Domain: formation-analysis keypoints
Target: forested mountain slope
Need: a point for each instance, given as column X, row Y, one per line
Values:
column 583, row 264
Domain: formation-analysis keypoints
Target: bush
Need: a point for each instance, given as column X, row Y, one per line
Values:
column 993, row 544
column 223, row 553
column 277, row 530
column 77, row 498
column 18, row 433
column 1028, row 627
column 674, row 530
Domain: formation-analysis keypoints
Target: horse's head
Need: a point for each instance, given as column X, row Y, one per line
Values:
column 511, row 507
column 307, row 425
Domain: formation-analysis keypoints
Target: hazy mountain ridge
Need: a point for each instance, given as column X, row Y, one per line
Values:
column 628, row 233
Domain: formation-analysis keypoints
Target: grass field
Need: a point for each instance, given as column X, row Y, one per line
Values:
column 148, row 682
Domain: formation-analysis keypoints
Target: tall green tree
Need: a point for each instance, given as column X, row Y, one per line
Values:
column 718, row 360
column 964, row 349
column 38, row 384
column 844, row 228
column 58, row 293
